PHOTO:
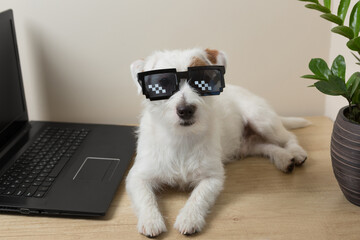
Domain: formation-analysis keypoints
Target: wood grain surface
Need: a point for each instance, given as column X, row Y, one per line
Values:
column 258, row 202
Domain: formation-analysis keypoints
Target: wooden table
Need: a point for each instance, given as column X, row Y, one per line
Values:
column 258, row 202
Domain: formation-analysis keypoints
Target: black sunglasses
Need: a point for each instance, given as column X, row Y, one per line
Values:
column 163, row 83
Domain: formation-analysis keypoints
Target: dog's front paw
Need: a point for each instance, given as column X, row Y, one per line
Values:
column 189, row 222
column 151, row 225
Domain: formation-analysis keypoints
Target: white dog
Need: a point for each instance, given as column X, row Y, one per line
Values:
column 189, row 152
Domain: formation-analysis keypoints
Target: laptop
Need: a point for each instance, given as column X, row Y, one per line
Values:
column 53, row 168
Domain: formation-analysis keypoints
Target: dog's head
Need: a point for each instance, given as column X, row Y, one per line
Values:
column 185, row 110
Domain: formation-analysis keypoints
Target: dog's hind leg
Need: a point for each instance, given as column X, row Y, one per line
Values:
column 269, row 126
column 282, row 137
column 279, row 156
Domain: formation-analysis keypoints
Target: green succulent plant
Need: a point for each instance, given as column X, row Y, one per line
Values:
column 332, row 81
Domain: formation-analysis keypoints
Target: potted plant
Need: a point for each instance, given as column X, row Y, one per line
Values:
column 345, row 139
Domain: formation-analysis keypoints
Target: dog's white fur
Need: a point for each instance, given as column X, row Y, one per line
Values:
column 232, row 125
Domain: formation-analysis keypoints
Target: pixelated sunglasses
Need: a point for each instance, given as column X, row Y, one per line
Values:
column 163, row 83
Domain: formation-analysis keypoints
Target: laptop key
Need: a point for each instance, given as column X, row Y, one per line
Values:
column 17, row 181
column 43, row 189
column 49, row 179
column 30, row 191
column 40, row 179
column 9, row 191
column 36, row 183
column 24, row 185
column 6, row 183
column 43, row 174
column 46, row 184
column 59, row 166
column 39, row 194
column 35, row 171
column 20, row 191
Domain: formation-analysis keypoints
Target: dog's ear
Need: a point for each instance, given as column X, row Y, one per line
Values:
column 135, row 68
column 216, row 57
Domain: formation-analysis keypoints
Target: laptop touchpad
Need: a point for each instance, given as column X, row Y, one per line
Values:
column 97, row 169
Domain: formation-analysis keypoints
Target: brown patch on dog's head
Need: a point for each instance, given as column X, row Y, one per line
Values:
column 212, row 55
column 197, row 62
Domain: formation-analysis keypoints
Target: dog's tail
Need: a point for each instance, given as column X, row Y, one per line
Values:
column 294, row 122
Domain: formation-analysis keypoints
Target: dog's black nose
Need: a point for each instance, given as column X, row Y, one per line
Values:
column 185, row 111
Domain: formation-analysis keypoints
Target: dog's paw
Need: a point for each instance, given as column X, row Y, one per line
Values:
column 299, row 154
column 151, row 225
column 189, row 222
column 285, row 162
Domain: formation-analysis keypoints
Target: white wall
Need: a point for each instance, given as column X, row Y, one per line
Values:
column 338, row 46
column 75, row 55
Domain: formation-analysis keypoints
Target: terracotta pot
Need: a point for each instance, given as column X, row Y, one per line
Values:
column 345, row 156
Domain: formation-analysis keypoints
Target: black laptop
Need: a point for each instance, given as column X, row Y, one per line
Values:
column 50, row 167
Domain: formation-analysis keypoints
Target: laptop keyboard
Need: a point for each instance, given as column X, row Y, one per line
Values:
column 36, row 169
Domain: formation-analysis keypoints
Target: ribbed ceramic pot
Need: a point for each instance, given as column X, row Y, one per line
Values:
column 345, row 156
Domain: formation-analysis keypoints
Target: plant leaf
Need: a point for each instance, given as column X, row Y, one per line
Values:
column 351, row 80
column 343, row 30
column 318, row 7
column 334, row 87
column 356, row 97
column 354, row 44
column 338, row 67
column 332, row 18
column 327, row 3
column 354, row 22
column 313, row 77
column 339, row 83
column 343, row 8
column 320, row 68
column 353, row 83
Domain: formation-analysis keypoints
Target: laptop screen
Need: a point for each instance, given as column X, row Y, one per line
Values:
column 13, row 113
